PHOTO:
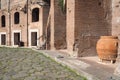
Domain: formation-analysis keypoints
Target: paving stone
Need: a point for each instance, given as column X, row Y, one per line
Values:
column 25, row 64
column 31, row 71
column 18, row 68
column 39, row 74
column 117, row 70
column 10, row 72
column 30, row 78
column 1, row 76
column 20, row 75
column 39, row 68
column 26, row 68
column 6, row 77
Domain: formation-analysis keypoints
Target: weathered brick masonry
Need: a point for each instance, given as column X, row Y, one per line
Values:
column 87, row 20
column 58, row 26
column 26, row 26
column 83, row 23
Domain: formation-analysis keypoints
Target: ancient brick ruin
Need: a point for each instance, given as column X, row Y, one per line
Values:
column 74, row 22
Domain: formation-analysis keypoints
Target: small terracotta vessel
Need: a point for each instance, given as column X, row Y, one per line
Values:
column 107, row 48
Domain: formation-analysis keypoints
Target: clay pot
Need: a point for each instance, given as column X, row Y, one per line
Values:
column 107, row 48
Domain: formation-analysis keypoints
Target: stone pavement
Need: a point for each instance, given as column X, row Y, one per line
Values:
column 89, row 67
column 26, row 64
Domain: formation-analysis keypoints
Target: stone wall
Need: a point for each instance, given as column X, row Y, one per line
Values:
column 116, row 19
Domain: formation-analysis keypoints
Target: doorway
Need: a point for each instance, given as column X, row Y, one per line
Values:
column 33, row 38
column 16, row 38
column 3, row 39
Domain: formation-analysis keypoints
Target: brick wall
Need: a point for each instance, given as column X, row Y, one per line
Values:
column 92, row 19
column 4, row 4
column 18, row 6
column 58, row 26
column 6, row 28
column 22, row 26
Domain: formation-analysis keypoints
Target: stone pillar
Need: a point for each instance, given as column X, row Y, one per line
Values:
column 8, row 38
column 116, row 19
column 116, row 28
column 70, row 25
column 52, row 24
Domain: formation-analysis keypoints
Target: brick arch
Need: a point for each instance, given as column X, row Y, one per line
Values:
column 35, row 6
column 35, row 14
column 16, row 18
column 3, row 20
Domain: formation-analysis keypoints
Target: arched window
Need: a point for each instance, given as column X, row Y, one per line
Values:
column 16, row 18
column 35, row 15
column 3, row 21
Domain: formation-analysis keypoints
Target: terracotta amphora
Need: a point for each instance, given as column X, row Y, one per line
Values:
column 107, row 48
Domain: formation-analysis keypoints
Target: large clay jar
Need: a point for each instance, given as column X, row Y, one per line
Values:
column 107, row 48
